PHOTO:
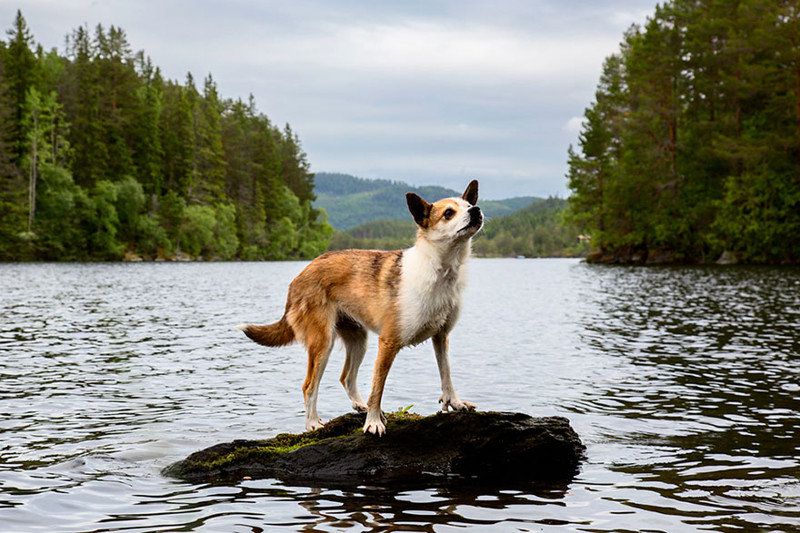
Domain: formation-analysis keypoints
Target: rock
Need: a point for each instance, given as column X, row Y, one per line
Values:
column 661, row 256
column 727, row 258
column 132, row 257
column 448, row 446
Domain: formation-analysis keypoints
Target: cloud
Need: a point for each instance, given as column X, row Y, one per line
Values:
column 413, row 90
column 420, row 49
column 574, row 125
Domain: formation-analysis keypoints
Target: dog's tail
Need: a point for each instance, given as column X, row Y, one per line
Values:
column 278, row 334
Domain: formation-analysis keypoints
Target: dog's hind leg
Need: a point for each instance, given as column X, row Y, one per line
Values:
column 354, row 336
column 320, row 344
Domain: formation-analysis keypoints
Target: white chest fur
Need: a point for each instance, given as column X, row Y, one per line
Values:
column 430, row 290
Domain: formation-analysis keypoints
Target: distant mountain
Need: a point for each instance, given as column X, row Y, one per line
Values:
column 351, row 201
column 536, row 230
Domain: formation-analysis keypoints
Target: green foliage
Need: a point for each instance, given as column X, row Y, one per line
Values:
column 692, row 145
column 102, row 221
column 171, row 212
column 130, row 207
column 210, row 231
column 100, row 155
column 59, row 225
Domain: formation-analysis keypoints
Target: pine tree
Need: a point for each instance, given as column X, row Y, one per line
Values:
column 82, row 104
column 118, row 102
column 595, row 169
column 209, row 155
column 146, row 137
column 12, row 188
column 177, row 139
column 20, row 70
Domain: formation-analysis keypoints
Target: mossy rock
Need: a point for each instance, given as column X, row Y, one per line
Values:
column 448, row 446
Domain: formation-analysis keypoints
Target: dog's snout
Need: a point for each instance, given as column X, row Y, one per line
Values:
column 475, row 216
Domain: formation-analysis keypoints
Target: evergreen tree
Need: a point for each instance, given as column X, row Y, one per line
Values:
column 210, row 163
column 20, row 73
column 146, row 138
column 82, row 104
column 118, row 100
column 177, row 139
column 12, row 186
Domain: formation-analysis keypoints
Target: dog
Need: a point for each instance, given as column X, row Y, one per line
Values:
column 405, row 296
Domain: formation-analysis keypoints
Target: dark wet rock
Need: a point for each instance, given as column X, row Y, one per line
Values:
column 449, row 446
column 661, row 256
column 727, row 258
column 630, row 255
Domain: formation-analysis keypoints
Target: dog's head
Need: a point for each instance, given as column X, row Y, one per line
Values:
column 451, row 219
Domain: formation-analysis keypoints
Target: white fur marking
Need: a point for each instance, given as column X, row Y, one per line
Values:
column 432, row 280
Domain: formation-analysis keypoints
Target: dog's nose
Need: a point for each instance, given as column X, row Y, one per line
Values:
column 475, row 216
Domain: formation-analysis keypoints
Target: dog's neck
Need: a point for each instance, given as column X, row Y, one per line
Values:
column 445, row 258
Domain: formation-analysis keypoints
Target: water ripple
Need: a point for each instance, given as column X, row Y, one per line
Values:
column 683, row 382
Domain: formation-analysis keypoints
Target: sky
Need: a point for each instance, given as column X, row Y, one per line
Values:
column 429, row 92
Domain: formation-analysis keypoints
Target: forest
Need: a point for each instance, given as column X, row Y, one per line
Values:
column 690, row 150
column 102, row 158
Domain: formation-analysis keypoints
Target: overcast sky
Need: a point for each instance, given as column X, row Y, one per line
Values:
column 423, row 91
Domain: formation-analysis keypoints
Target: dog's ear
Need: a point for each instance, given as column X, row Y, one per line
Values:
column 471, row 194
column 419, row 208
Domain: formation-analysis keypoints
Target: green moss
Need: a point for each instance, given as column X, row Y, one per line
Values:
column 400, row 415
column 264, row 451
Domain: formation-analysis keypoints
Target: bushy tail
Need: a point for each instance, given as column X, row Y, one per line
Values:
column 278, row 334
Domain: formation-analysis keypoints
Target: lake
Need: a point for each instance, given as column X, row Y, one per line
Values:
column 684, row 384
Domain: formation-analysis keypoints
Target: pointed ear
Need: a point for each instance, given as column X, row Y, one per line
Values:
column 471, row 194
column 419, row 208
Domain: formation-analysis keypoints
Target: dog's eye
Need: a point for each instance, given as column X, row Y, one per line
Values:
column 449, row 213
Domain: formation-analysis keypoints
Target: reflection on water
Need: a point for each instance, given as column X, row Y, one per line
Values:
column 683, row 383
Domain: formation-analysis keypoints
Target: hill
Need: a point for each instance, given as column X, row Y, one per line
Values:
column 351, row 201
column 537, row 230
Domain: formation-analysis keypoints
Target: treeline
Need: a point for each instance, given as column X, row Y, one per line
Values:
column 101, row 156
column 382, row 234
column 537, row 230
column 692, row 145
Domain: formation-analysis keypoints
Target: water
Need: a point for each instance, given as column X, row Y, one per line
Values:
column 682, row 382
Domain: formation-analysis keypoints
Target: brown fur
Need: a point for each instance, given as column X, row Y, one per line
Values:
column 278, row 334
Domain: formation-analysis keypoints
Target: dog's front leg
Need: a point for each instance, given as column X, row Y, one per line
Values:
column 449, row 398
column 376, row 422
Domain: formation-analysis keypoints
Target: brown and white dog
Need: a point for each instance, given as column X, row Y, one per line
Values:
column 405, row 296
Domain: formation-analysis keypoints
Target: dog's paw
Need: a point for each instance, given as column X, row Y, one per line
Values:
column 311, row 425
column 375, row 424
column 360, row 407
column 454, row 404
